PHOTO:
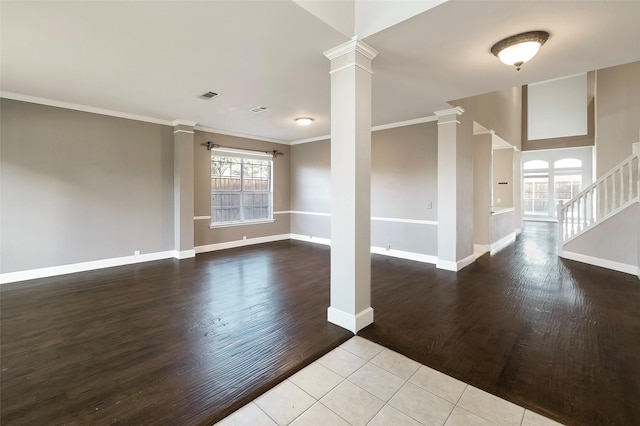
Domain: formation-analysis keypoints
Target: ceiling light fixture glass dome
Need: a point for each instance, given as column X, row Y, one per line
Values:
column 519, row 48
column 304, row 121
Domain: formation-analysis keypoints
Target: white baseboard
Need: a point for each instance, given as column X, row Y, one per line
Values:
column 408, row 255
column 53, row 271
column 449, row 265
column 603, row 263
column 353, row 323
column 481, row 248
column 311, row 239
column 502, row 243
column 184, row 254
column 241, row 243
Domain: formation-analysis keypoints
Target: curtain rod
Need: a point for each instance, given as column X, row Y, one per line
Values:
column 210, row 145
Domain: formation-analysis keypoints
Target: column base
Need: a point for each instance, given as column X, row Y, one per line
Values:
column 353, row 323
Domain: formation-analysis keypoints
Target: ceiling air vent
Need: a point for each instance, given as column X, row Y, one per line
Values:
column 259, row 109
column 209, row 95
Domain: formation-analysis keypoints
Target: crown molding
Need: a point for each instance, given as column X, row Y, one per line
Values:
column 315, row 139
column 353, row 45
column 405, row 123
column 239, row 135
column 82, row 108
column 184, row 123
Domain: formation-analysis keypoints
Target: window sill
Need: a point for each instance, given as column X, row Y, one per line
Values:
column 231, row 224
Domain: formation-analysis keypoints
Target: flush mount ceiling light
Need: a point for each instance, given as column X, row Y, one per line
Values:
column 304, row 121
column 519, row 48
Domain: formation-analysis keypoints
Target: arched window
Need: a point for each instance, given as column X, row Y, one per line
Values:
column 568, row 163
column 535, row 165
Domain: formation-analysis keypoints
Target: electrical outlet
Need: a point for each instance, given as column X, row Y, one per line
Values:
column 136, row 253
column 388, row 247
column 244, row 237
column 429, row 205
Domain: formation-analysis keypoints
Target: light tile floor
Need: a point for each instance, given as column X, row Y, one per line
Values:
column 363, row 383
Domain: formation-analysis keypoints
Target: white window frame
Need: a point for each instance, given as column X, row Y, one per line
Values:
column 242, row 155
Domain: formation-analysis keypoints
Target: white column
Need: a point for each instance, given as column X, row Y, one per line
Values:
column 183, row 189
column 455, row 191
column 351, row 185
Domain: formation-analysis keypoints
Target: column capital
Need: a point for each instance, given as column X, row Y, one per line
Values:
column 447, row 116
column 450, row 111
column 353, row 45
column 183, row 126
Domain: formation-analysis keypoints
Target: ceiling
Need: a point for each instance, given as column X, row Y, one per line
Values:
column 155, row 59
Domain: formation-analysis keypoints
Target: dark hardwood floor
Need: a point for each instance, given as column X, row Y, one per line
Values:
column 163, row 343
column 187, row 342
column 558, row 337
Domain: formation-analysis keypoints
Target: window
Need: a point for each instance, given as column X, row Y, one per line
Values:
column 241, row 188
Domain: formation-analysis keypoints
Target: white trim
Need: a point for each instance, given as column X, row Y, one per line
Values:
column 246, row 223
column 282, row 212
column 449, row 111
column 309, row 213
column 184, row 254
column 183, row 131
column 353, row 45
column 603, row 263
column 202, row 217
column 353, row 323
column 53, row 271
column 315, row 139
column 496, row 246
column 239, row 135
column 408, row 255
column 83, row 108
column 481, row 248
column 373, row 218
column 351, row 65
column 183, row 123
column 377, row 128
column 455, row 266
column 311, row 239
column 241, row 243
column 405, row 123
column 398, row 220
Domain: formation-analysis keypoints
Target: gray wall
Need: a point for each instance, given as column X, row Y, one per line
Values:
column 403, row 181
column 614, row 239
column 617, row 114
column 503, row 172
column 464, row 172
column 203, row 234
column 404, row 170
column 80, row 187
column 499, row 111
column 482, row 189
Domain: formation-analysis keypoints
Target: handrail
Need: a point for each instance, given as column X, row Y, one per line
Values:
column 608, row 194
column 602, row 178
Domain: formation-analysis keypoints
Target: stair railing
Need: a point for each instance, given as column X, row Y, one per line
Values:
column 611, row 193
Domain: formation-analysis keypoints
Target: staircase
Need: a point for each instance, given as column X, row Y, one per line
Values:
column 609, row 195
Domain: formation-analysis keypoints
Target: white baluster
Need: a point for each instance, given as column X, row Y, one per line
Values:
column 629, row 165
column 614, row 197
column 606, row 197
column 578, row 215
column 586, row 220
